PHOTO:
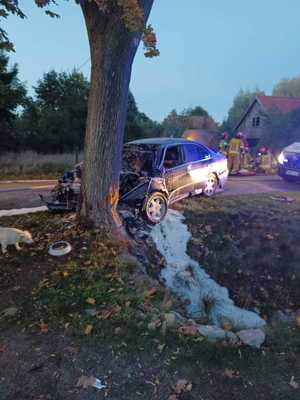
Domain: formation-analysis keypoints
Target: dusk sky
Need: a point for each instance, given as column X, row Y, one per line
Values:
column 209, row 50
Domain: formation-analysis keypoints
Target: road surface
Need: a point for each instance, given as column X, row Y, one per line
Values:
column 21, row 194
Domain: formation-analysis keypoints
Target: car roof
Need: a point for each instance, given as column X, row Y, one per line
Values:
column 161, row 141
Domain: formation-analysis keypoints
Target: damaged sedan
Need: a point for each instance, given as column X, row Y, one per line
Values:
column 155, row 174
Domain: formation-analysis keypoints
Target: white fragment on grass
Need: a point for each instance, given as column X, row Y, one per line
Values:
column 21, row 211
column 206, row 299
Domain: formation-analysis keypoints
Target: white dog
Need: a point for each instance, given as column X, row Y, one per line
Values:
column 12, row 236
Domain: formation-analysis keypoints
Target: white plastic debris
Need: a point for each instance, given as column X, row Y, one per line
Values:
column 206, row 299
column 21, row 211
column 86, row 381
column 60, row 248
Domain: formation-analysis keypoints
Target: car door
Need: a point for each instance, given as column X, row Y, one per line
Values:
column 176, row 173
column 199, row 161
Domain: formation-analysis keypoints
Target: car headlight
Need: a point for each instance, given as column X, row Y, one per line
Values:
column 281, row 158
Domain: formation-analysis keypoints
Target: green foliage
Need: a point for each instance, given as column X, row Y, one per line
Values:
column 8, row 7
column 197, row 111
column 240, row 104
column 288, row 87
column 282, row 130
column 12, row 96
column 138, row 125
column 175, row 124
column 55, row 120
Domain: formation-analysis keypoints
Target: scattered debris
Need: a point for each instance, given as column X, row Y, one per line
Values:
column 252, row 337
column 8, row 312
column 231, row 373
column 88, row 329
column 293, row 383
column 87, row 381
column 283, row 198
column 182, row 386
column 60, row 248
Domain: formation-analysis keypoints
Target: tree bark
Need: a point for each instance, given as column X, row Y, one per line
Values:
column 112, row 49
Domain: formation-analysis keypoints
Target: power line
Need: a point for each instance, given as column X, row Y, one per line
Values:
column 83, row 64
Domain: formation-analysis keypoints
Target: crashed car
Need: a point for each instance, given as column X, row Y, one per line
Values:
column 156, row 173
column 289, row 163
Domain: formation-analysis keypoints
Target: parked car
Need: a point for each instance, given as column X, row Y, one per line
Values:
column 289, row 163
column 156, row 173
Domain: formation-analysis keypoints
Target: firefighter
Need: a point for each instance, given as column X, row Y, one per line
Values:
column 223, row 145
column 246, row 160
column 234, row 154
column 265, row 164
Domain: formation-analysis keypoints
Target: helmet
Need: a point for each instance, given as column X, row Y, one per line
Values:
column 225, row 135
column 240, row 135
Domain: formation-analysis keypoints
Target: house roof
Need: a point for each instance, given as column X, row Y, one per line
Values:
column 280, row 103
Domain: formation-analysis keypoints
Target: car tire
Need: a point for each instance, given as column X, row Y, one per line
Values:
column 155, row 207
column 210, row 186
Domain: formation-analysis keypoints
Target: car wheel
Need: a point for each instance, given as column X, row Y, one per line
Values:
column 156, row 207
column 211, row 185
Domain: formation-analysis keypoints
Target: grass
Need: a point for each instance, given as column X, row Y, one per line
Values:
column 97, row 298
column 250, row 244
column 31, row 165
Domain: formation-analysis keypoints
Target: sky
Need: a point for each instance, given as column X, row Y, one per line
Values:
column 210, row 49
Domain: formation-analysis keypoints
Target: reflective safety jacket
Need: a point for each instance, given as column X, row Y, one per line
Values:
column 223, row 146
column 235, row 146
column 266, row 161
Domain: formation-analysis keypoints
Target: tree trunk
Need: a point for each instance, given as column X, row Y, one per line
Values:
column 112, row 50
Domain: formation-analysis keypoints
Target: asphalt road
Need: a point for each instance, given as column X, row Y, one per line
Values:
column 21, row 194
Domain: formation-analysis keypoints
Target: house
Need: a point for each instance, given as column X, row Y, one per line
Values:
column 254, row 121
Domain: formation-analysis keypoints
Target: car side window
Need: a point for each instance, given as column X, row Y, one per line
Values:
column 204, row 153
column 192, row 152
column 195, row 153
column 173, row 157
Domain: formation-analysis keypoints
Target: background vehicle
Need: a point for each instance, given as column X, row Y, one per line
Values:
column 156, row 173
column 289, row 163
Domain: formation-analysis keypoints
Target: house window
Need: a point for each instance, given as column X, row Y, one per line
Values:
column 256, row 121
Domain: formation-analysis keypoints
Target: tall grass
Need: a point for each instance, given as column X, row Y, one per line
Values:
column 29, row 164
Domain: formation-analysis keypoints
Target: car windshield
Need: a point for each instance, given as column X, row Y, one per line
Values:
column 138, row 158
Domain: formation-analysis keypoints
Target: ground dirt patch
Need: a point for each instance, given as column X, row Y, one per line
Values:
column 87, row 314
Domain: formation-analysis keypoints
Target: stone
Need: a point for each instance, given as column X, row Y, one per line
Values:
column 252, row 337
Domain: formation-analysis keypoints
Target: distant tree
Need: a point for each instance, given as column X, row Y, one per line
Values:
column 191, row 118
column 288, row 87
column 196, row 111
column 12, row 96
column 282, row 130
column 240, row 104
column 173, row 125
column 55, row 120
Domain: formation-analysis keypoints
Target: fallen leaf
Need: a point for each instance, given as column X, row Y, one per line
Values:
column 188, row 330
column 293, row 383
column 88, row 329
column 152, row 292
column 65, row 274
column 90, row 300
column 182, row 386
column 44, row 327
column 298, row 321
column 231, row 373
